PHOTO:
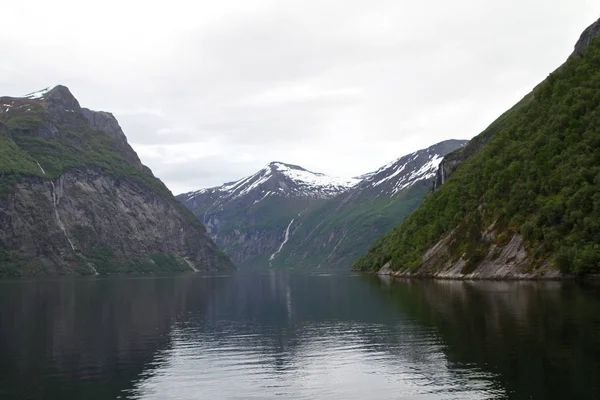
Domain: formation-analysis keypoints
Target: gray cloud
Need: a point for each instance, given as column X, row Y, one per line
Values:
column 208, row 92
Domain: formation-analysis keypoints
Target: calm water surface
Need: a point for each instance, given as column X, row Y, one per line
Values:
column 297, row 336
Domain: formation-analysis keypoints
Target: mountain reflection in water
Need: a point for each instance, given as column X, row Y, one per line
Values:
column 295, row 336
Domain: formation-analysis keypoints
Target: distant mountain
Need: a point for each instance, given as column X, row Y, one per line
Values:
column 522, row 199
column 335, row 233
column 249, row 217
column 276, row 179
column 75, row 197
column 284, row 215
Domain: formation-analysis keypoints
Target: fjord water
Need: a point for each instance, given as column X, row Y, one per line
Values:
column 297, row 336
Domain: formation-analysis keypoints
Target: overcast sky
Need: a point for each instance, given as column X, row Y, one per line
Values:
column 210, row 91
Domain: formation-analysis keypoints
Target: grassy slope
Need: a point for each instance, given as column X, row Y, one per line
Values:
column 78, row 145
column 355, row 224
column 539, row 175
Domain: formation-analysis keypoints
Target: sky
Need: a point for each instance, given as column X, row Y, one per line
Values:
column 208, row 92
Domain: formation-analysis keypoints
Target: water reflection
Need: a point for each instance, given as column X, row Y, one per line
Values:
column 88, row 338
column 306, row 336
column 539, row 340
column 297, row 336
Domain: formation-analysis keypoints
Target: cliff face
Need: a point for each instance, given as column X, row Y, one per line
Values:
column 509, row 261
column 75, row 198
column 586, row 37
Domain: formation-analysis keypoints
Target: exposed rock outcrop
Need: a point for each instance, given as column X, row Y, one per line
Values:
column 586, row 37
column 508, row 262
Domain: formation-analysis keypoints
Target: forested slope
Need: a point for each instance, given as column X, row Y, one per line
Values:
column 535, row 184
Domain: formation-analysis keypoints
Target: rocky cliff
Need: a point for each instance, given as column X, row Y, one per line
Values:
column 586, row 37
column 75, row 198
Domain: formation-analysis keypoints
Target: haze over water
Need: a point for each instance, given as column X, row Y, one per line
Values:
column 274, row 334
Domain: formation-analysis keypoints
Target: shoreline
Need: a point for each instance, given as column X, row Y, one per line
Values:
column 555, row 276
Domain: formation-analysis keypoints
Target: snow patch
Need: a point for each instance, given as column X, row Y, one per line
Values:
column 427, row 171
column 387, row 178
column 262, row 198
column 314, row 178
column 37, row 95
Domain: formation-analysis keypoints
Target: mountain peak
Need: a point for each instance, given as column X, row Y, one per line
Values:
column 402, row 173
column 59, row 96
column 62, row 96
column 279, row 179
column 286, row 169
column 279, row 163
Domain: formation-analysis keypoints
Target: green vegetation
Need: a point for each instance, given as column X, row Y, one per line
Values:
column 8, row 265
column 30, row 139
column 538, row 175
column 107, row 261
column 335, row 234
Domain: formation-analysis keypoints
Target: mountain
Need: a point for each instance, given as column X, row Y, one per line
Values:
column 335, row 233
column 522, row 199
column 75, row 198
column 284, row 215
column 248, row 218
column 276, row 180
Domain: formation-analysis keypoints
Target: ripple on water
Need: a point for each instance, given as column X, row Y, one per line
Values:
column 326, row 361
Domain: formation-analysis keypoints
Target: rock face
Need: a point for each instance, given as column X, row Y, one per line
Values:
column 285, row 216
column 511, row 261
column 75, row 198
column 586, row 37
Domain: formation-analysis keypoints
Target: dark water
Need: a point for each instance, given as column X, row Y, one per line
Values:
column 297, row 336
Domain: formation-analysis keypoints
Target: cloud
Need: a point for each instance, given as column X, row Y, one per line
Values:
column 208, row 92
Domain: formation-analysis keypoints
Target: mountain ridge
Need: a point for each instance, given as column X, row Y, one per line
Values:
column 256, row 219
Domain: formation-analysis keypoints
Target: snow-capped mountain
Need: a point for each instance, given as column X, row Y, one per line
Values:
column 247, row 216
column 285, row 215
column 275, row 179
column 333, row 234
column 398, row 175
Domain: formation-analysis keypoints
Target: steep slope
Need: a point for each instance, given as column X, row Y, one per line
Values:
column 74, row 197
column 249, row 218
column 334, row 234
column 526, row 202
column 285, row 216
